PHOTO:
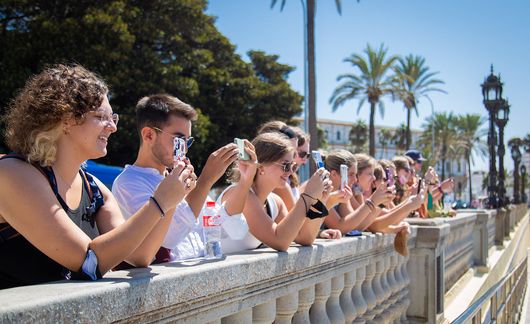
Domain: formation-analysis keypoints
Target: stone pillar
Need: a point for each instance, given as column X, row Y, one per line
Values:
column 306, row 297
column 480, row 241
column 264, row 313
column 368, row 292
column 333, row 304
column 357, row 294
column 426, row 267
column 318, row 313
column 346, row 301
column 286, row 306
column 499, row 226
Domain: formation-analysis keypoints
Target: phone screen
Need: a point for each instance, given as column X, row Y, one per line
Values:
column 318, row 159
column 179, row 149
column 243, row 155
column 389, row 177
column 343, row 176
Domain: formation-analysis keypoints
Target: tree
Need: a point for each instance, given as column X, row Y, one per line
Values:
column 358, row 135
column 399, row 138
column 371, row 84
column 309, row 11
column 385, row 137
column 147, row 47
column 412, row 81
column 471, row 140
column 444, row 128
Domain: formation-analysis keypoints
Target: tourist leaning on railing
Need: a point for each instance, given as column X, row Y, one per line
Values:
column 267, row 216
column 160, row 119
column 59, row 222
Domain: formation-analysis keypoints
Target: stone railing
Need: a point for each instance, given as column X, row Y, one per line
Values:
column 356, row 279
column 447, row 248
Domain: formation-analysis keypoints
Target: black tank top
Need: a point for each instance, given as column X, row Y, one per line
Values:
column 22, row 263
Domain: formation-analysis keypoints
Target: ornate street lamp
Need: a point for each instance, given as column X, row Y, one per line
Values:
column 524, row 197
column 514, row 144
column 501, row 121
column 492, row 99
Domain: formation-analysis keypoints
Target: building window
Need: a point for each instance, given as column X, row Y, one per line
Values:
column 338, row 135
column 459, row 168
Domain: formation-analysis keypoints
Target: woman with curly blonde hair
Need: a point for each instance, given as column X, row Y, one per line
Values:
column 73, row 227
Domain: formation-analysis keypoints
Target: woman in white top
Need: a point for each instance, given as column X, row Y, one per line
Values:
column 268, row 219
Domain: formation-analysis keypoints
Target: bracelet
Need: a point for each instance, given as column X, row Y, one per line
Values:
column 158, row 205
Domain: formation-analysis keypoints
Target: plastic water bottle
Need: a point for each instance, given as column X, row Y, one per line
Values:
column 211, row 222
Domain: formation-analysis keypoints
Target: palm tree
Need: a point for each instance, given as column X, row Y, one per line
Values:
column 444, row 128
column 358, row 135
column 412, row 81
column 471, row 140
column 371, row 84
column 309, row 19
column 399, row 138
column 385, row 137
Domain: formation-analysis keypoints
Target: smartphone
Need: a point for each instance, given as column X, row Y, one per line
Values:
column 318, row 159
column 243, row 155
column 179, row 149
column 419, row 184
column 343, row 176
column 389, row 177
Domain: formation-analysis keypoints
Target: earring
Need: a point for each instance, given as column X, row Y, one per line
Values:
column 261, row 173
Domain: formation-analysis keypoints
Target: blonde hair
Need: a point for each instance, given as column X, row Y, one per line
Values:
column 401, row 162
column 364, row 161
column 336, row 158
column 270, row 147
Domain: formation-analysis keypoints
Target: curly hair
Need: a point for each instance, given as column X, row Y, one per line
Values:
column 33, row 120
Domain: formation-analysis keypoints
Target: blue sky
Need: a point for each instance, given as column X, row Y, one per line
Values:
column 459, row 39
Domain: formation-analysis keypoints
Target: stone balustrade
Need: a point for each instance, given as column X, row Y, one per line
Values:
column 358, row 279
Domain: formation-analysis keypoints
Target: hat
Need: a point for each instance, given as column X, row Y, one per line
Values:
column 415, row 155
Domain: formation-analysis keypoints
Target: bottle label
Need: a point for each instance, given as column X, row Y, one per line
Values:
column 211, row 221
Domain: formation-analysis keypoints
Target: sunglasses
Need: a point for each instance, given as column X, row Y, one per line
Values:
column 189, row 140
column 303, row 155
column 287, row 166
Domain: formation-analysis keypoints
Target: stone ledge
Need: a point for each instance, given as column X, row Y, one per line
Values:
column 188, row 286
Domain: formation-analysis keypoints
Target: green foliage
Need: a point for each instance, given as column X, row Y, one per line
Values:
column 371, row 83
column 359, row 135
column 412, row 81
column 147, row 47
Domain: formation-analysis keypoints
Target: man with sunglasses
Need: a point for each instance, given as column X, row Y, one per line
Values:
column 160, row 120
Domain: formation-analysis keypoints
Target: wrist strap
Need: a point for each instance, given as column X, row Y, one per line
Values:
column 317, row 210
column 162, row 214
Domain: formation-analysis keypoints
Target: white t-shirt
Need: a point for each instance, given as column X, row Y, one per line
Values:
column 185, row 237
column 229, row 244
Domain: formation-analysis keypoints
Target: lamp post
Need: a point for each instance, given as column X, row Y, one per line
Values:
column 501, row 121
column 514, row 144
column 524, row 197
column 492, row 100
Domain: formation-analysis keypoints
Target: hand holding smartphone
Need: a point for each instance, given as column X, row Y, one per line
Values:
column 343, row 176
column 419, row 185
column 389, row 177
column 242, row 155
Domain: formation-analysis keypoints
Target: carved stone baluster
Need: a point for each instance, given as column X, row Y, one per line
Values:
column 378, row 290
column 317, row 313
column 368, row 292
column 306, row 298
column 264, row 313
column 242, row 317
column 286, row 306
column 346, row 299
column 405, row 295
column 387, row 314
column 357, row 293
column 394, row 297
column 333, row 309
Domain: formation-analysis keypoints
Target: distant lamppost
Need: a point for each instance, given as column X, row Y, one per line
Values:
column 492, row 99
column 524, row 197
column 514, row 144
column 501, row 121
